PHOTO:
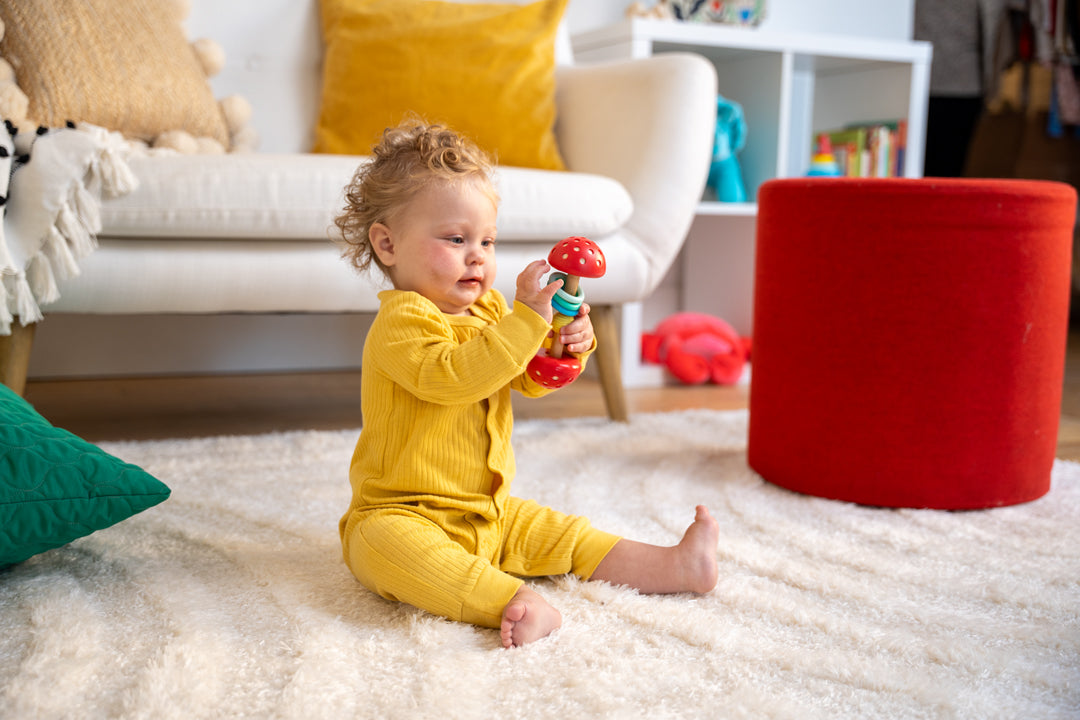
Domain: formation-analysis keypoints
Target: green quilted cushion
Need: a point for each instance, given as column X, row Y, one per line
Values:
column 56, row 487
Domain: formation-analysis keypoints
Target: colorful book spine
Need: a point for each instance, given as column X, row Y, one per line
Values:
column 849, row 146
column 870, row 149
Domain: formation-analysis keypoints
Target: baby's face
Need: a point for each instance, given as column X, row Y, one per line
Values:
column 442, row 245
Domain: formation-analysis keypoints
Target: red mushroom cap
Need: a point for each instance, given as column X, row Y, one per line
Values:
column 578, row 256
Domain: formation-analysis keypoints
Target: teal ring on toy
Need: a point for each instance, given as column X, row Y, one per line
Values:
column 570, row 300
column 557, row 276
column 563, row 308
column 566, row 308
column 563, row 302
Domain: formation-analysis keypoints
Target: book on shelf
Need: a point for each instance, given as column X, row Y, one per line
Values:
column 869, row 149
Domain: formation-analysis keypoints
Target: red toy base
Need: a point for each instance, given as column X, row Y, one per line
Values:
column 552, row 372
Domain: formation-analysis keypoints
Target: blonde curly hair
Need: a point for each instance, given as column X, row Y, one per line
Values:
column 407, row 159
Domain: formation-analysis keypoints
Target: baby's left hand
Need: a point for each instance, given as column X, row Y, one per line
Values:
column 577, row 337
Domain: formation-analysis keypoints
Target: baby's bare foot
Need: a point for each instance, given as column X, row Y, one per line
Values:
column 697, row 552
column 528, row 617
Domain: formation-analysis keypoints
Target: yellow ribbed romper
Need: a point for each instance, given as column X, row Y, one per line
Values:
column 432, row 522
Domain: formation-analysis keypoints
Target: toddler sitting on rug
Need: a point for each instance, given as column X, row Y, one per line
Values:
column 432, row 522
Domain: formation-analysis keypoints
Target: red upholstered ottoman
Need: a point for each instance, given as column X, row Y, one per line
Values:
column 909, row 338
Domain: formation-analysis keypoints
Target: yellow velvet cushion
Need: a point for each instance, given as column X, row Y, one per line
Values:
column 125, row 66
column 485, row 70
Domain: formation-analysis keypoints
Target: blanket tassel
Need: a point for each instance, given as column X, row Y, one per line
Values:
column 6, row 317
column 42, row 280
column 85, row 207
column 63, row 262
column 82, row 242
column 110, row 167
column 25, row 306
column 117, row 178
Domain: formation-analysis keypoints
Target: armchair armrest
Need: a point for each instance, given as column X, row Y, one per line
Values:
column 648, row 123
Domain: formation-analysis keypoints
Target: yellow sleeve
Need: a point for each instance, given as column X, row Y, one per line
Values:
column 414, row 344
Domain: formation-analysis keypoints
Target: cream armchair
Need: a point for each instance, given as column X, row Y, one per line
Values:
column 248, row 232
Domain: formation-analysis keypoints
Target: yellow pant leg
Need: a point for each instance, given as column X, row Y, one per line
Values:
column 406, row 557
column 540, row 541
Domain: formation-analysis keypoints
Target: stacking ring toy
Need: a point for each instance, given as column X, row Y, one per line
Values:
column 573, row 258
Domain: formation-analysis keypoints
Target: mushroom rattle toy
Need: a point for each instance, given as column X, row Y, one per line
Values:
column 573, row 259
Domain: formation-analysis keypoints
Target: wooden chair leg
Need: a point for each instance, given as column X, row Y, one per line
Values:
column 607, row 359
column 15, row 355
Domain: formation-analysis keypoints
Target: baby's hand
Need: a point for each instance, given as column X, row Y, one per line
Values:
column 531, row 292
column 577, row 336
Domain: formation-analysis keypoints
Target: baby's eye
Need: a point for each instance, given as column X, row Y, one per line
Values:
column 489, row 242
column 456, row 239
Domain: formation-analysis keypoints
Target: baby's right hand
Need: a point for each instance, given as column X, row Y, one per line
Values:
column 531, row 292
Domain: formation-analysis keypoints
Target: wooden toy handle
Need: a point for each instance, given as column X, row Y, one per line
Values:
column 570, row 286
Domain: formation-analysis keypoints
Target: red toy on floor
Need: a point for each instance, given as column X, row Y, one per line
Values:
column 697, row 348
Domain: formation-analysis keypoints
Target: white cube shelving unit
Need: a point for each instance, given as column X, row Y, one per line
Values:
column 791, row 87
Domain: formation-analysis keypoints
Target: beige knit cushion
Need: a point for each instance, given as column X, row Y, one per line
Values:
column 124, row 65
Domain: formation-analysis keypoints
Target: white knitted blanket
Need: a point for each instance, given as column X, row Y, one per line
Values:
column 51, row 184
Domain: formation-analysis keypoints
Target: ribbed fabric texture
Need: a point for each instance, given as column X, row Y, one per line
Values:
column 436, row 401
column 429, row 519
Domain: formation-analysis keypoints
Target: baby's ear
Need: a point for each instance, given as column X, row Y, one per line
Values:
column 382, row 243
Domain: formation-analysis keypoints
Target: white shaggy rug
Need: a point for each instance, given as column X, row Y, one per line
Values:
column 230, row 599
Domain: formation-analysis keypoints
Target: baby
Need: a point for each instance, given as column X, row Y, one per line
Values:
column 432, row 522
